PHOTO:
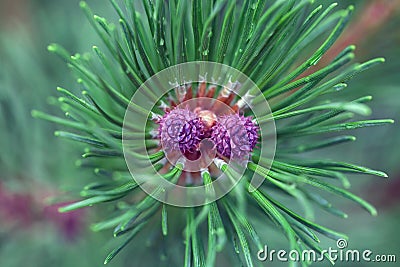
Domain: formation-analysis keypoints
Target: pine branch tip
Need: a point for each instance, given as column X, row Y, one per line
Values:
column 34, row 113
column 52, row 47
column 346, row 184
column 374, row 212
column 63, row 209
column 151, row 60
column 350, row 9
column 83, row 4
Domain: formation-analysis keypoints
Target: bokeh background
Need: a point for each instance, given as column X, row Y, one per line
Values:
column 39, row 173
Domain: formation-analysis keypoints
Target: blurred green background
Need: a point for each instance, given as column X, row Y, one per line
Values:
column 37, row 171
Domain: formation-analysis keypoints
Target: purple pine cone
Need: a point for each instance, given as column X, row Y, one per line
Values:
column 181, row 129
column 234, row 136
